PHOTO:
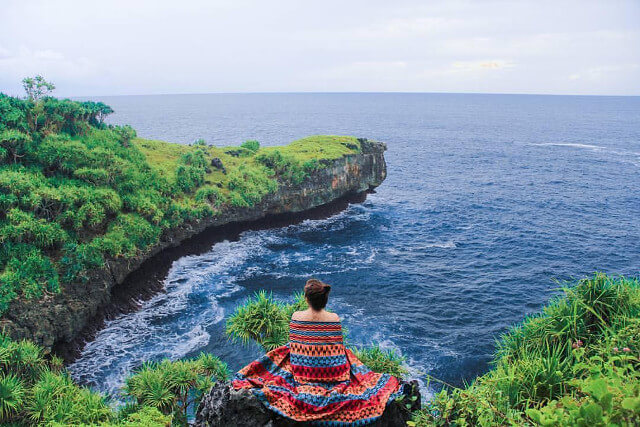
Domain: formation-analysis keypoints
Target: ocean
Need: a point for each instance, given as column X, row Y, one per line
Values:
column 490, row 204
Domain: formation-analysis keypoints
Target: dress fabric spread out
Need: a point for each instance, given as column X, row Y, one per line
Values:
column 315, row 379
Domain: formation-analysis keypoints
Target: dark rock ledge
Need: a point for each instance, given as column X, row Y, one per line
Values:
column 61, row 318
column 225, row 407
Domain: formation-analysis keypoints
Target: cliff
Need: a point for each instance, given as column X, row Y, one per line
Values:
column 60, row 317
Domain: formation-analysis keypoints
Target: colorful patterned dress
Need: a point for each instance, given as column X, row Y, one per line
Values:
column 316, row 379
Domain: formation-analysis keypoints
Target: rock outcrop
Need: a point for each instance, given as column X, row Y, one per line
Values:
column 225, row 407
column 61, row 317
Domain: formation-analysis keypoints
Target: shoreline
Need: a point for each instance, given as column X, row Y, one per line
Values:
column 57, row 321
column 147, row 280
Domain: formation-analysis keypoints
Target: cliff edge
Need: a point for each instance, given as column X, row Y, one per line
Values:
column 57, row 318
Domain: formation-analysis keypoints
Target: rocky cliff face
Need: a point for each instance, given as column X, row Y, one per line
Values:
column 61, row 317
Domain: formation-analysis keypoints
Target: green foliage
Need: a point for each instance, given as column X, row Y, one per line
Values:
column 14, row 145
column 174, row 387
column 251, row 145
column 576, row 363
column 191, row 171
column 262, row 319
column 37, row 87
column 249, row 185
column 33, row 390
column 286, row 166
column 11, row 395
column 145, row 416
column 125, row 134
column 210, row 194
column 379, row 360
column 36, row 390
column 75, row 192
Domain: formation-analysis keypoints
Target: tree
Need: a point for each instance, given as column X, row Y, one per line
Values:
column 37, row 87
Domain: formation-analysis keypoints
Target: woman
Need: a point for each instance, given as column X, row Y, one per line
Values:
column 315, row 378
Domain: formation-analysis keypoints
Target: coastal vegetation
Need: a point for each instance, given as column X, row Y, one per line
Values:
column 35, row 389
column 76, row 193
column 575, row 363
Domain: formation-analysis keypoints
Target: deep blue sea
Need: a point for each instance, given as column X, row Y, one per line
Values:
column 490, row 200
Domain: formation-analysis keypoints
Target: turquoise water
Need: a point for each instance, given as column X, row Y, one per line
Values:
column 489, row 199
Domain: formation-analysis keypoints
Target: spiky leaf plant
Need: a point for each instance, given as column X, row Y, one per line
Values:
column 383, row 361
column 175, row 387
column 262, row 319
column 12, row 393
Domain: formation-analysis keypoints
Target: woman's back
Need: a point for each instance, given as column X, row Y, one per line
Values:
column 314, row 377
column 310, row 315
column 317, row 352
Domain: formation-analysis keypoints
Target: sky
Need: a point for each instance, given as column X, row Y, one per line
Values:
column 114, row 47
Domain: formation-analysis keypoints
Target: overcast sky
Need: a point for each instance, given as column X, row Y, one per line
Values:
column 198, row 46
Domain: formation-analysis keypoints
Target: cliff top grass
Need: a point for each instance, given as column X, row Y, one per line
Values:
column 75, row 192
column 165, row 156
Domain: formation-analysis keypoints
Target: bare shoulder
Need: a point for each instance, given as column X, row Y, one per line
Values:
column 332, row 317
column 298, row 315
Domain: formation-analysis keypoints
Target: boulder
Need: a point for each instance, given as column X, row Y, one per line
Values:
column 217, row 163
column 225, row 407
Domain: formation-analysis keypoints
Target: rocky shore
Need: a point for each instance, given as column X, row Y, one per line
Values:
column 60, row 318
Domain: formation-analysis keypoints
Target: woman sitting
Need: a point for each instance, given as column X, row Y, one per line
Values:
column 315, row 378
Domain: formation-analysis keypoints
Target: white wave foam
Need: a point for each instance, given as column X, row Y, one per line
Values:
column 568, row 144
column 626, row 156
column 167, row 325
column 446, row 245
column 175, row 323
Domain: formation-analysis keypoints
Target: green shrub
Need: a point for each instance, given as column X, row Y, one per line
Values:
column 251, row 145
column 12, row 394
column 125, row 134
column 286, row 166
column 142, row 417
column 92, row 175
column 191, row 171
column 210, row 194
column 34, row 390
column 385, row 361
column 74, row 191
column 262, row 319
column 174, row 387
column 14, row 144
column 250, row 184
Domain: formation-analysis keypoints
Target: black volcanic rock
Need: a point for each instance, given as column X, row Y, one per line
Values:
column 217, row 163
column 225, row 407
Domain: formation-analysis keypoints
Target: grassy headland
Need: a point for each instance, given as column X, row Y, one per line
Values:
column 76, row 193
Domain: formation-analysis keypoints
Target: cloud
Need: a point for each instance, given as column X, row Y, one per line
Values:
column 24, row 61
column 152, row 46
column 405, row 27
column 484, row 65
column 605, row 72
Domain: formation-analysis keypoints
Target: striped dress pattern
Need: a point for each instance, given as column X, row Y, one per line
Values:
column 315, row 379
